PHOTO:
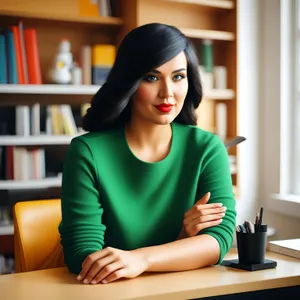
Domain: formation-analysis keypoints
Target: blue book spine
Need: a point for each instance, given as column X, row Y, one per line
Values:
column 99, row 74
column 3, row 60
column 12, row 62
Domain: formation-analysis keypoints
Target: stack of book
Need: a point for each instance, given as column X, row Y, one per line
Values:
column 19, row 56
column 289, row 247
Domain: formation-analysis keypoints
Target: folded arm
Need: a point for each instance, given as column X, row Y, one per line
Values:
column 185, row 254
column 82, row 232
column 211, row 244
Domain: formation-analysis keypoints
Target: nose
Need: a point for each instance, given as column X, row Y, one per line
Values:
column 166, row 90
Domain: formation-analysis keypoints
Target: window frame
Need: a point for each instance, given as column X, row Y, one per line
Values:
column 281, row 154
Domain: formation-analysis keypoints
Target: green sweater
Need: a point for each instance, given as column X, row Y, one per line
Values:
column 111, row 198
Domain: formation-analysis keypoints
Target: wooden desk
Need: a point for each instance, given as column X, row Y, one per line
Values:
column 59, row 284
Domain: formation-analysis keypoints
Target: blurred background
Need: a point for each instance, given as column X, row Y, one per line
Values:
column 55, row 55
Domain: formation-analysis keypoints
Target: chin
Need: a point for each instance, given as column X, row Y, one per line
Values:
column 165, row 120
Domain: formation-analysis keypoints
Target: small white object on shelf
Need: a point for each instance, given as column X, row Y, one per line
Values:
column 206, row 79
column 62, row 64
column 220, row 77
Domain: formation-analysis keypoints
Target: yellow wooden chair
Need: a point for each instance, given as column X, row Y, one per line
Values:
column 36, row 238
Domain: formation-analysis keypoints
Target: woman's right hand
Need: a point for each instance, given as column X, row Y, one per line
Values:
column 201, row 216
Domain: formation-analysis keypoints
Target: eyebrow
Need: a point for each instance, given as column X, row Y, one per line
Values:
column 179, row 70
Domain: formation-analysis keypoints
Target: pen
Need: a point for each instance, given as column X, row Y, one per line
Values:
column 260, row 218
column 249, row 226
column 256, row 222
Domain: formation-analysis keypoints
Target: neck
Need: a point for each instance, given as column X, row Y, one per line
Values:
column 148, row 135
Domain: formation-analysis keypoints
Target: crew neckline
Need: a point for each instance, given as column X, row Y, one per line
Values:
column 164, row 160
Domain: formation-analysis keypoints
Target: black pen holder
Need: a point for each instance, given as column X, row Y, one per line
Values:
column 251, row 247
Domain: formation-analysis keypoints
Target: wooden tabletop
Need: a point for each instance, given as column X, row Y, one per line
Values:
column 59, row 284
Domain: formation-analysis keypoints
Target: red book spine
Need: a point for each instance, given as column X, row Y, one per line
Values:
column 32, row 56
column 20, row 71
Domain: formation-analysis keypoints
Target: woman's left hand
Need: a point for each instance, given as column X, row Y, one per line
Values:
column 110, row 264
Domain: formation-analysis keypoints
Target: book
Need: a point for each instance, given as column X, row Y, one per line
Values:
column 286, row 247
column 3, row 68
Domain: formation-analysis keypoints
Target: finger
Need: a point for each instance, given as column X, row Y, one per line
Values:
column 89, row 261
column 204, row 199
column 205, row 219
column 106, row 271
column 203, row 211
column 97, row 267
column 194, row 230
column 95, row 256
column 115, row 276
column 201, row 207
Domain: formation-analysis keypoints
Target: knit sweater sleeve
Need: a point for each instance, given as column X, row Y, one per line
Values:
column 81, row 229
column 216, row 178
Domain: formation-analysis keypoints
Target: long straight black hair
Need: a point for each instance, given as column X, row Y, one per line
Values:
column 142, row 50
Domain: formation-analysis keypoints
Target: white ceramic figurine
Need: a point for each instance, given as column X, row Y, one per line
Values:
column 62, row 64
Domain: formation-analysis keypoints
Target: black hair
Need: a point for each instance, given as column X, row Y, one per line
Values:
column 142, row 50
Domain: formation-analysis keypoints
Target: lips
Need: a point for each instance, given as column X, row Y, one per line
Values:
column 165, row 108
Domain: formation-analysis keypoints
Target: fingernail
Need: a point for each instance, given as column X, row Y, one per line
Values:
column 93, row 282
column 79, row 277
column 104, row 281
column 85, row 281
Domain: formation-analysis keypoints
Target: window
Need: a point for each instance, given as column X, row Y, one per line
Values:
column 290, row 98
column 296, row 165
column 280, row 108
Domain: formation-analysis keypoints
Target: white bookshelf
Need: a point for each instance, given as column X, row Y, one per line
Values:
column 30, row 184
column 15, row 140
column 55, row 89
column 225, row 94
column 50, row 89
column 208, row 34
column 7, row 229
column 225, row 4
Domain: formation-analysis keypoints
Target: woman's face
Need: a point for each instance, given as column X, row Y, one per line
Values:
column 161, row 94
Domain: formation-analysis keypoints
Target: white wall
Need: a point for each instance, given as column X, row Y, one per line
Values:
column 248, row 29
column 259, row 112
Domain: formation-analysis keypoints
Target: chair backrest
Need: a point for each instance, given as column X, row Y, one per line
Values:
column 36, row 238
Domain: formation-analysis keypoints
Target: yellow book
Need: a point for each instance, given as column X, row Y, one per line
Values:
column 88, row 8
column 57, row 121
column 103, row 55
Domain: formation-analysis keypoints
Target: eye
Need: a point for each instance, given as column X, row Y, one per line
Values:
column 150, row 78
column 178, row 77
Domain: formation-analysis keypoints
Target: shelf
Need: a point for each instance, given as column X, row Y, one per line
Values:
column 14, row 140
column 7, row 229
column 219, row 94
column 30, row 184
column 208, row 34
column 54, row 89
column 211, row 3
column 63, row 17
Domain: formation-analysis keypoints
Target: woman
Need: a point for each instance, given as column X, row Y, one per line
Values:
column 135, row 188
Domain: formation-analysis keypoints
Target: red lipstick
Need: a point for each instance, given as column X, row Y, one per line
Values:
column 165, row 108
